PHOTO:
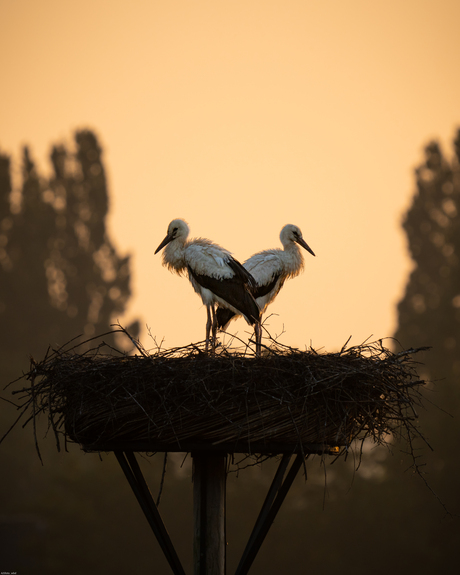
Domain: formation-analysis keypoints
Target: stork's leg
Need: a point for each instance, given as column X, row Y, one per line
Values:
column 214, row 329
column 258, row 334
column 208, row 326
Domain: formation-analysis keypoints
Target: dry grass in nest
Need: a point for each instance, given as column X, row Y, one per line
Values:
column 184, row 400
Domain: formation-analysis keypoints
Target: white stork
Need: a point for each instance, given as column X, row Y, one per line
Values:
column 270, row 269
column 214, row 274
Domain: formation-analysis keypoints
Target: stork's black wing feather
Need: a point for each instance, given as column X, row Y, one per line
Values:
column 224, row 315
column 242, row 273
column 234, row 291
column 261, row 290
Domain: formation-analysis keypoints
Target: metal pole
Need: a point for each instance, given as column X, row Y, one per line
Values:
column 133, row 473
column 272, row 504
column 209, row 537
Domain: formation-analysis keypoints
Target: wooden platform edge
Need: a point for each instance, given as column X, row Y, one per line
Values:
column 271, row 448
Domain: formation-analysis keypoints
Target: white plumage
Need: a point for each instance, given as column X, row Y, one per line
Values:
column 270, row 269
column 214, row 274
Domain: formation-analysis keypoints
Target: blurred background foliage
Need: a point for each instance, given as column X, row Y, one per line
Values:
column 60, row 276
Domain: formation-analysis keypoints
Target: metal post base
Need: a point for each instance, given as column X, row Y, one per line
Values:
column 209, row 502
column 133, row 473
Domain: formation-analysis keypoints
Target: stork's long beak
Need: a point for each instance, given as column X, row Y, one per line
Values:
column 304, row 244
column 164, row 243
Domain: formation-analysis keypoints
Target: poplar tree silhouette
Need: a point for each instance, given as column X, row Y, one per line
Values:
column 60, row 275
column 429, row 313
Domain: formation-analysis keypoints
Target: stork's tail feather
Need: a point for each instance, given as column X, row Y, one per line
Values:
column 224, row 317
column 247, row 306
column 251, row 309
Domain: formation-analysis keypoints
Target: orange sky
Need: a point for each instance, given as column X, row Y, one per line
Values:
column 241, row 117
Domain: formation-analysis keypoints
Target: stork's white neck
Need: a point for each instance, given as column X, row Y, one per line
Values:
column 293, row 260
column 173, row 255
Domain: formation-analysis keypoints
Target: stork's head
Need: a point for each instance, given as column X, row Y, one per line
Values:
column 177, row 229
column 290, row 234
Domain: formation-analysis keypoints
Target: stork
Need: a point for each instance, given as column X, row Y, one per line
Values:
column 270, row 269
column 214, row 274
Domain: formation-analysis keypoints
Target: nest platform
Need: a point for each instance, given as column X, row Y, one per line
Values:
column 287, row 401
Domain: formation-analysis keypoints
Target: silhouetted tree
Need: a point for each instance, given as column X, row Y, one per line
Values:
column 5, row 186
column 95, row 280
column 5, row 219
column 28, row 318
column 429, row 313
column 430, row 308
column 61, row 275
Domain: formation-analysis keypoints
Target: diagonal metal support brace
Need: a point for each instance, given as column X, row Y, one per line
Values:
column 275, row 497
column 133, row 473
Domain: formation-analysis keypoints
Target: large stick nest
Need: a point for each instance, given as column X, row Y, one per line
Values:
column 186, row 400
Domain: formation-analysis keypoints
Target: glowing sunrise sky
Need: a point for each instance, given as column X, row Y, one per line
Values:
column 240, row 117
